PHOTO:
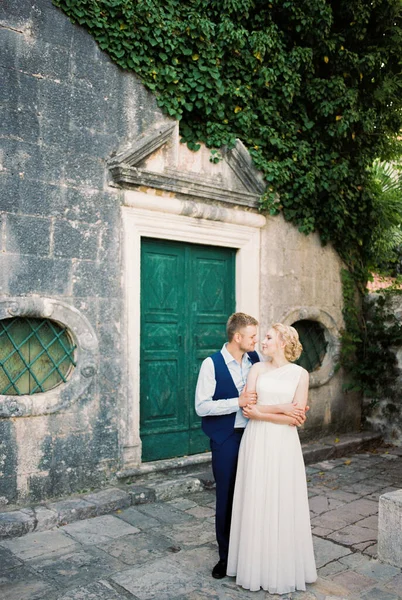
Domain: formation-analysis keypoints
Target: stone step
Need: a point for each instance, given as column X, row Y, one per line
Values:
column 155, row 482
column 316, row 451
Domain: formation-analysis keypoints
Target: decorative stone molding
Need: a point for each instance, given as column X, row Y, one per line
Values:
column 82, row 375
column 241, row 162
column 322, row 375
column 162, row 217
column 126, row 171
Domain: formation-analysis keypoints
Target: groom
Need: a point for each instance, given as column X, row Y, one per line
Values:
column 220, row 395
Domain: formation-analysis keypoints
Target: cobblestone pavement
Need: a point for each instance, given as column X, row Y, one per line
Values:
column 166, row 550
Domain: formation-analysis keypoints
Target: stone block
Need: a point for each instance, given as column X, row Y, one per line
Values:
column 77, row 479
column 35, row 275
column 43, row 58
column 21, row 159
column 317, row 452
column 353, row 582
column 326, row 551
column 166, row 490
column 92, row 279
column 20, row 90
column 76, row 567
column 379, row 594
column 390, row 528
column 137, row 549
column 7, row 560
column 72, row 510
column 20, row 123
column 165, row 513
column 46, row 543
column 109, row 500
column 85, row 204
column 84, row 169
column 16, row 523
column 99, row 530
column 100, row 590
column 75, row 240
column 45, row 518
column 23, row 584
column 352, row 535
column 9, row 44
column 28, row 235
column 9, row 196
column 140, row 494
column 14, row 14
column 53, row 23
column 138, row 519
column 160, row 579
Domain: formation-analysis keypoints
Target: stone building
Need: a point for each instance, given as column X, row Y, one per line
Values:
column 122, row 254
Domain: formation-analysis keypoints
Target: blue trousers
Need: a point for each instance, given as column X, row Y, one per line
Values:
column 224, row 465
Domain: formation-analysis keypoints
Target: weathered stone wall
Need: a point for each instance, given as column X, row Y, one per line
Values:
column 385, row 415
column 301, row 279
column 66, row 109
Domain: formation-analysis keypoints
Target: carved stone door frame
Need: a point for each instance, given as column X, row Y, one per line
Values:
column 162, row 217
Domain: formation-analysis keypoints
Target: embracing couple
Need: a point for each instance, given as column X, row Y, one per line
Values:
column 262, row 515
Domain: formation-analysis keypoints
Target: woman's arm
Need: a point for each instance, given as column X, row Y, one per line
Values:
column 254, row 412
column 252, row 376
column 301, row 394
column 291, row 410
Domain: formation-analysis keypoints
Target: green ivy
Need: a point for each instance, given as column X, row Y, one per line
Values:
column 371, row 335
column 312, row 87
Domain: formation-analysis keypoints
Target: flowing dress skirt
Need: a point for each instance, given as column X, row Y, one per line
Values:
column 270, row 540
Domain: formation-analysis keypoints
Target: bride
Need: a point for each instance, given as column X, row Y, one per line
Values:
column 270, row 538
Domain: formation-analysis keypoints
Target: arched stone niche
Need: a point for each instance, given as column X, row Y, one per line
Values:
column 323, row 374
column 82, row 375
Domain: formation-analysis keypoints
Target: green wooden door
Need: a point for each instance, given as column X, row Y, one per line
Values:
column 187, row 293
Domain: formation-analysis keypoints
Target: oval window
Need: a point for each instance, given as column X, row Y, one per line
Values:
column 312, row 338
column 36, row 355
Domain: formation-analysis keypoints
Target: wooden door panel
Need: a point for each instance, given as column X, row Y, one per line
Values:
column 187, row 293
column 214, row 301
column 159, row 400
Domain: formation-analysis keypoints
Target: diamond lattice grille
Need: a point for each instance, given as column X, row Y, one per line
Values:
column 36, row 355
column 312, row 338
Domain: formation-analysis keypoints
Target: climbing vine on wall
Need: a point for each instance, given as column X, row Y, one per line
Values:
column 372, row 334
column 312, row 87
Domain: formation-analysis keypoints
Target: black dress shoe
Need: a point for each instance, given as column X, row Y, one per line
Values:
column 219, row 570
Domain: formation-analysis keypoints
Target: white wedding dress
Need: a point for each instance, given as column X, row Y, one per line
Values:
column 270, row 538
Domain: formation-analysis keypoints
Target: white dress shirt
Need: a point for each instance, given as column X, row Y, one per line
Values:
column 206, row 384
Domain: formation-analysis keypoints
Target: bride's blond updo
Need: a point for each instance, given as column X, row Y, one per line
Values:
column 289, row 335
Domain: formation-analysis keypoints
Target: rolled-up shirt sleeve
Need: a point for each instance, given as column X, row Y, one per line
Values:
column 204, row 405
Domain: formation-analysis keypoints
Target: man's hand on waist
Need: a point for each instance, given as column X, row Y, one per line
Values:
column 247, row 397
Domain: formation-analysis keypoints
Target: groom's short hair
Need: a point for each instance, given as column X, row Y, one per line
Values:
column 238, row 321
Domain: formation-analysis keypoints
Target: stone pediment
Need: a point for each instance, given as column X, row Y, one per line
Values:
column 158, row 160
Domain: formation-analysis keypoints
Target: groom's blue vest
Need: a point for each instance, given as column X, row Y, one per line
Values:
column 219, row 427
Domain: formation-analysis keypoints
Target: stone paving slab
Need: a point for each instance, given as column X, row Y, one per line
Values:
column 137, row 518
column 16, row 523
column 160, row 579
column 100, row 590
column 98, row 530
column 352, row 535
column 109, row 500
column 24, row 584
column 134, row 550
column 8, row 560
column 39, row 544
column 74, row 569
column 165, row 550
